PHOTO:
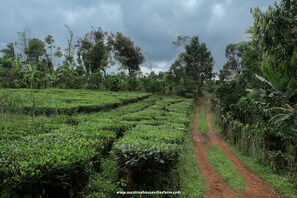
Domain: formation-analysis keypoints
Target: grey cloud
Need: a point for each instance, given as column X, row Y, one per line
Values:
column 152, row 24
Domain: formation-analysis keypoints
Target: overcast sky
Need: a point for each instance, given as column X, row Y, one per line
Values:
column 151, row 24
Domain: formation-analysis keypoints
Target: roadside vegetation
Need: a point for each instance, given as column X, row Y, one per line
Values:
column 191, row 180
column 280, row 182
column 255, row 98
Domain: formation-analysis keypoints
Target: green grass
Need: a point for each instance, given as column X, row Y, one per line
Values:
column 225, row 168
column 280, row 183
column 202, row 120
column 191, row 180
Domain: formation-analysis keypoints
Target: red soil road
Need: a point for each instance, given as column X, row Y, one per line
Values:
column 216, row 187
column 255, row 187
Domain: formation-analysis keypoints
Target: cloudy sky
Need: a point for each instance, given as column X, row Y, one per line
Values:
column 151, row 24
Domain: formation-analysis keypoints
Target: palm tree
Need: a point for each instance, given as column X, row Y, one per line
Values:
column 9, row 51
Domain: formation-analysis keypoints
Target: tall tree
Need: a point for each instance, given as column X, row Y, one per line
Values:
column 233, row 54
column 275, row 33
column 49, row 40
column 58, row 54
column 238, row 57
column 196, row 61
column 92, row 51
column 35, row 50
column 23, row 43
column 69, row 51
column 129, row 55
column 178, row 69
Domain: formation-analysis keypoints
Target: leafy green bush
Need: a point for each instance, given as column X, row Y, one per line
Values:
column 40, row 155
column 61, row 159
column 154, row 144
column 59, row 101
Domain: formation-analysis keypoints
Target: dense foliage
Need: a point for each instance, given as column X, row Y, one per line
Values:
column 59, row 155
column 33, row 63
column 192, row 67
column 63, row 101
column 256, row 97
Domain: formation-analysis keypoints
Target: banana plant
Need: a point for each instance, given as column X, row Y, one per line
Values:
column 31, row 73
column 52, row 77
column 285, row 117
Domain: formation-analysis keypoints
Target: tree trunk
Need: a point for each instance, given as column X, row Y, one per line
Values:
column 266, row 146
column 104, row 73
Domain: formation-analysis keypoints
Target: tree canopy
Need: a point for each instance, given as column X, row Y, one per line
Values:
column 129, row 55
column 195, row 63
column 93, row 53
column 256, row 97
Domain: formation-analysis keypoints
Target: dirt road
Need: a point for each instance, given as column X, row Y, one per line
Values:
column 216, row 186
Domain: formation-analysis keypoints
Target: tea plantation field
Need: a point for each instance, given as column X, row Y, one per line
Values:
column 78, row 143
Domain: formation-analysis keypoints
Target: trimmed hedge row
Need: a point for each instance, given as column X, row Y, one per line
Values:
column 59, row 101
column 111, row 120
column 154, row 144
column 37, row 163
column 61, row 159
column 58, row 154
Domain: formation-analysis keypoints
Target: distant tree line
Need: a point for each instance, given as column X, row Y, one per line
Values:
column 39, row 63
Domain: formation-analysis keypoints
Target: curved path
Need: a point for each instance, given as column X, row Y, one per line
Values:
column 216, row 187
